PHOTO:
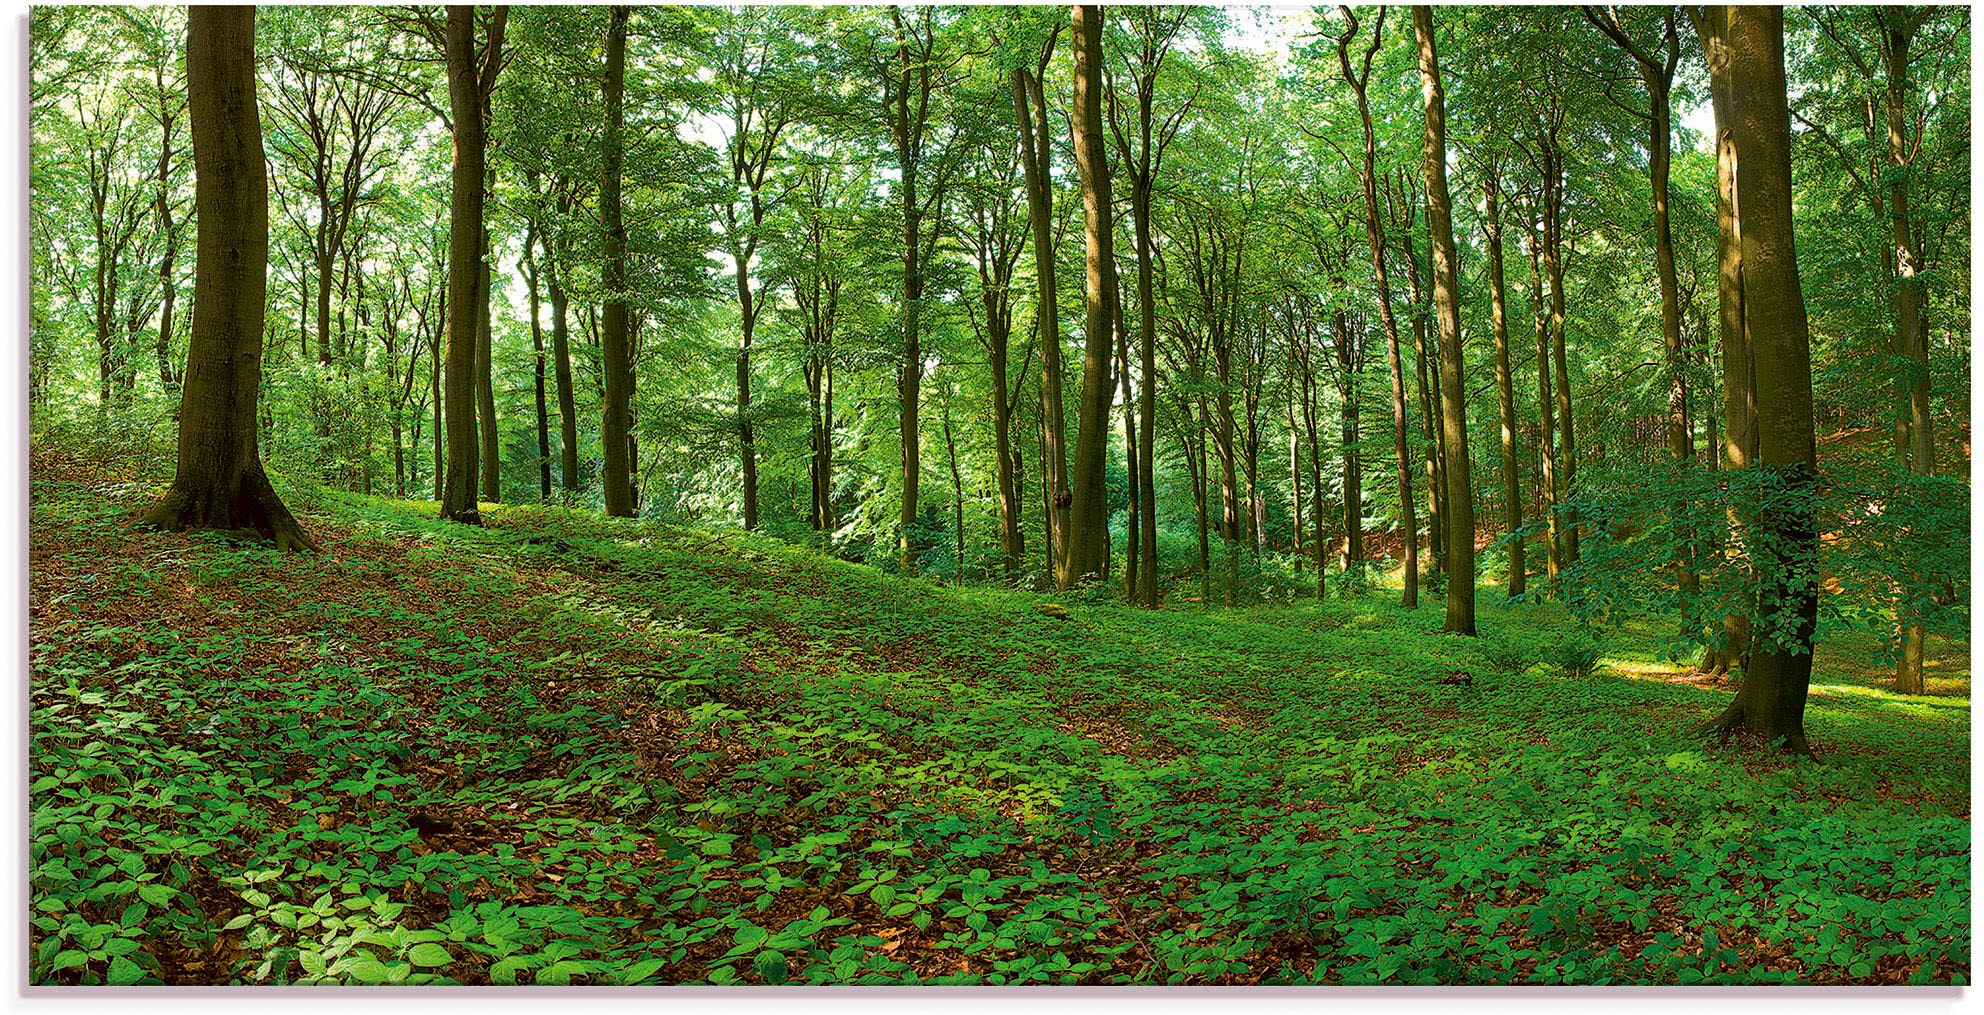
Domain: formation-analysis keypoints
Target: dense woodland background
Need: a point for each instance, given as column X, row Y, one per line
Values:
column 1636, row 337
column 811, row 146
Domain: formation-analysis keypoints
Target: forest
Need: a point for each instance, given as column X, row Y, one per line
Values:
column 1002, row 494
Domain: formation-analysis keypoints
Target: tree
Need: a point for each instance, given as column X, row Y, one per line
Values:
column 1771, row 701
column 1088, row 531
column 616, row 358
column 1036, row 161
column 1505, row 393
column 1453, row 396
column 219, row 482
column 1657, row 72
column 1139, row 154
column 471, row 76
column 1359, row 79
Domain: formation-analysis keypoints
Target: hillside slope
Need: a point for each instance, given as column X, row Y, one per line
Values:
column 567, row 749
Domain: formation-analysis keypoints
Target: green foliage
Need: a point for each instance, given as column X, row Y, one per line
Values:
column 630, row 753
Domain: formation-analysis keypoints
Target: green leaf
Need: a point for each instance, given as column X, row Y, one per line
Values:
column 123, row 972
column 770, row 967
column 429, row 954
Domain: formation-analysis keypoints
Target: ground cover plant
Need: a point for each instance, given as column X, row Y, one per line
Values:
column 563, row 749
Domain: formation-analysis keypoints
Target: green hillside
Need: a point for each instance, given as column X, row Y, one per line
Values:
column 568, row 749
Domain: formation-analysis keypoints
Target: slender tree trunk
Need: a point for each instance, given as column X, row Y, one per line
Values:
column 616, row 354
column 1012, row 544
column 434, row 392
column 957, row 489
column 1505, row 394
column 1423, row 365
column 1089, row 522
column 747, row 438
column 458, row 500
column 537, row 371
column 1036, row 156
column 1915, row 438
column 1553, row 262
column 1132, row 566
column 1546, row 442
column 485, row 386
column 1771, row 701
column 1349, row 362
column 1147, row 387
column 561, row 362
column 1446, row 299
column 219, row 482
column 1739, row 395
column 1375, row 233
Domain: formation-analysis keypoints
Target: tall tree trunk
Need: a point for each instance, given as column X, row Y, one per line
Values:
column 1739, row 395
column 434, row 393
column 616, row 354
column 1657, row 72
column 1771, row 701
column 1423, row 366
column 458, row 500
column 1547, row 487
column 219, row 482
column 1132, row 566
column 1446, row 299
column 1375, row 234
column 1915, row 438
column 1036, row 157
column 1553, row 262
column 1089, row 522
column 1505, row 393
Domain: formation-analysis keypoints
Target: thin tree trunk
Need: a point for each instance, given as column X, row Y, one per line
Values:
column 1036, row 156
column 1505, row 395
column 1375, row 234
column 537, row 371
column 485, row 387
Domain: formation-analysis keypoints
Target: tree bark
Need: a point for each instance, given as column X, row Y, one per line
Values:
column 487, row 442
column 1089, row 522
column 537, row 372
column 219, row 482
column 1375, row 233
column 1505, row 395
column 1036, row 156
column 1446, row 299
column 616, row 354
column 1915, row 446
column 458, row 500
column 1546, row 443
column 1739, row 394
column 1771, row 701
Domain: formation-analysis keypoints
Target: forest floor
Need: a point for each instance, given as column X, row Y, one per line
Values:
column 561, row 749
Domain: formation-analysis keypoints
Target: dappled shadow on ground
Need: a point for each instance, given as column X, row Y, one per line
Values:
column 566, row 749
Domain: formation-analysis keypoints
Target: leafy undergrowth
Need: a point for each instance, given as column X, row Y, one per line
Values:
column 563, row 749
